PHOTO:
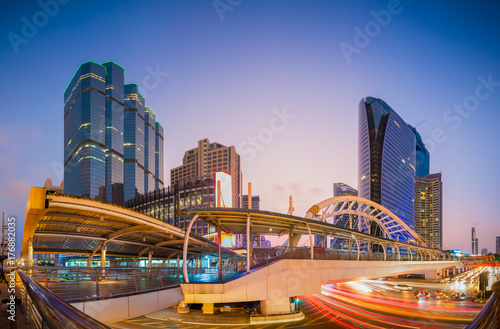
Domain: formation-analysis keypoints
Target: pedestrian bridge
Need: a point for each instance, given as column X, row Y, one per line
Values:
column 275, row 275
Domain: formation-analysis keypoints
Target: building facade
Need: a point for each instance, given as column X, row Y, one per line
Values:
column 498, row 245
column 105, row 147
column 166, row 203
column 386, row 160
column 422, row 156
column 255, row 202
column 475, row 249
column 206, row 159
column 346, row 220
column 429, row 209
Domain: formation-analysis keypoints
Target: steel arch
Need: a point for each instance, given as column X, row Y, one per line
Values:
column 367, row 211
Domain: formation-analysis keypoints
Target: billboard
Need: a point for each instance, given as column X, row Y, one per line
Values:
column 226, row 190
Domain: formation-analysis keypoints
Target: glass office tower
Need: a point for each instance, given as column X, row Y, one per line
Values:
column 149, row 149
column 422, row 156
column 84, row 132
column 114, row 132
column 386, row 161
column 109, row 137
column 133, row 142
column 158, row 156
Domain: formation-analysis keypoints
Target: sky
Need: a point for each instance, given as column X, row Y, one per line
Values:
column 280, row 80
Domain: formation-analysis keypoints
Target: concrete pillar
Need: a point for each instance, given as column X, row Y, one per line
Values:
column 275, row 306
column 208, row 308
column 432, row 275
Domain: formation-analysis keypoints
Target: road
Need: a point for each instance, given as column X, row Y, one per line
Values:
column 365, row 304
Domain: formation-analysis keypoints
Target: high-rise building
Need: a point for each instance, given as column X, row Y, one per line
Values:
column 422, row 156
column 498, row 245
column 386, row 161
column 429, row 209
column 104, row 136
column 484, row 251
column 475, row 250
column 205, row 160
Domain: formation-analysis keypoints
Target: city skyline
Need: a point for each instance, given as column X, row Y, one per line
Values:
column 279, row 82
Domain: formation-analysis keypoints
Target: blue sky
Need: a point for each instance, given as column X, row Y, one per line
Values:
column 224, row 73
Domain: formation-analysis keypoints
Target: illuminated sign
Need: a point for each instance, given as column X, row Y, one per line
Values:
column 226, row 190
column 228, row 241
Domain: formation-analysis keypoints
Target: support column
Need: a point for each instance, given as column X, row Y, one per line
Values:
column 30, row 252
column 290, row 238
column 311, row 242
column 103, row 256
column 185, row 250
column 219, row 250
column 150, row 259
column 249, row 233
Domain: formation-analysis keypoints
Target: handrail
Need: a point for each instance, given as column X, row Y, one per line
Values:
column 55, row 313
column 489, row 317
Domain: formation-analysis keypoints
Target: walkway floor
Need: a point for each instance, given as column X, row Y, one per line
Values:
column 197, row 317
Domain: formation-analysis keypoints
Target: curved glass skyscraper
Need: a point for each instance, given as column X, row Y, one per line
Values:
column 386, row 160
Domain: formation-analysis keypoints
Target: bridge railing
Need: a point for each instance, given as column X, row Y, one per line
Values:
column 489, row 317
column 74, row 284
column 46, row 310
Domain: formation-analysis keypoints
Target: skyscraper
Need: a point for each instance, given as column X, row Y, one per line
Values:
column 386, row 161
column 498, row 245
column 475, row 250
column 429, row 209
column 422, row 156
column 104, row 127
column 205, row 160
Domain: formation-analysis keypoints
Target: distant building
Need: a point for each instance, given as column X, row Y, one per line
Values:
column 255, row 202
column 203, row 161
column 346, row 220
column 386, row 161
column 429, row 209
column 484, row 251
column 51, row 187
column 498, row 245
column 109, row 137
column 166, row 203
column 257, row 239
column 475, row 250
column 422, row 156
column 340, row 189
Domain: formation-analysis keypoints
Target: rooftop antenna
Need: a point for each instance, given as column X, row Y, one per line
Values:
column 420, row 123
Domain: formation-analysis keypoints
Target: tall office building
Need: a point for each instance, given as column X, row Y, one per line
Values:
column 475, row 250
column 205, row 160
column 104, row 127
column 498, row 245
column 386, row 161
column 429, row 209
column 422, row 156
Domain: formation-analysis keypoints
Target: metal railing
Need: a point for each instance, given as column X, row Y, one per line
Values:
column 74, row 284
column 46, row 310
column 489, row 317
